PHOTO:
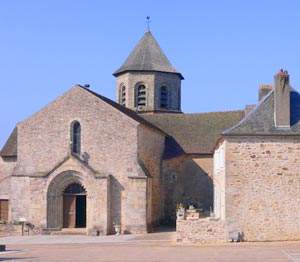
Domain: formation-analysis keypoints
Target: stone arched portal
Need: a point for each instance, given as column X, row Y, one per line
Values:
column 55, row 197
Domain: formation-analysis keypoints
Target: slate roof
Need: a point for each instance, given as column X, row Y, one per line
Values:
column 261, row 120
column 11, row 145
column 147, row 56
column 196, row 133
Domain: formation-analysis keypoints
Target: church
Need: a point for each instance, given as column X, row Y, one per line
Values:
column 85, row 161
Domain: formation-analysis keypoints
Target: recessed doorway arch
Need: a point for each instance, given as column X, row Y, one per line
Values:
column 66, row 191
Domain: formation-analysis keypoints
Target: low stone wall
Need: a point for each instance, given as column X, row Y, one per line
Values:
column 9, row 230
column 203, row 230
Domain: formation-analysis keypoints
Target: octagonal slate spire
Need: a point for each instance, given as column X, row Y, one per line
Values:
column 147, row 56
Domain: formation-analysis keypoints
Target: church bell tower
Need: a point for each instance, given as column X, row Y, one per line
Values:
column 147, row 82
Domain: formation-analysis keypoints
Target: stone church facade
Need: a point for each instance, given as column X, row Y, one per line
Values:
column 84, row 161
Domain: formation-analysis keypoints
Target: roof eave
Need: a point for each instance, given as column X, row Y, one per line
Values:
column 259, row 134
column 118, row 73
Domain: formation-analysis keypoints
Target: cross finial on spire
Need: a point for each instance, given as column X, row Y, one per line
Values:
column 148, row 21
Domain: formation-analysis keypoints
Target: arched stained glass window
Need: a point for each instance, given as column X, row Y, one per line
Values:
column 75, row 137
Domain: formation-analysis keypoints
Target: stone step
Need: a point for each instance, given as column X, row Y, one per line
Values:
column 70, row 231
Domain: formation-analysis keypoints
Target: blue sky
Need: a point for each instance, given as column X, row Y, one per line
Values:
column 224, row 49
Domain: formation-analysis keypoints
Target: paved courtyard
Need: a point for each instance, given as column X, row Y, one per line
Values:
column 152, row 247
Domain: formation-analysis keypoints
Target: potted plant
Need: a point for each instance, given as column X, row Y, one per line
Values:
column 117, row 227
column 3, row 221
column 180, row 210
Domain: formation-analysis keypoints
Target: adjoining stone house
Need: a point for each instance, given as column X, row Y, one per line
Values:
column 257, row 177
column 84, row 161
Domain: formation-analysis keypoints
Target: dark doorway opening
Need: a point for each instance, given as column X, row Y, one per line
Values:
column 80, row 211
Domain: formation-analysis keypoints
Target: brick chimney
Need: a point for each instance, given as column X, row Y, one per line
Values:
column 282, row 99
column 263, row 90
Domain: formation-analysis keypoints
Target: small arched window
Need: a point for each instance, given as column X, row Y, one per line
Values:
column 75, row 137
column 123, row 96
column 141, row 95
column 164, row 97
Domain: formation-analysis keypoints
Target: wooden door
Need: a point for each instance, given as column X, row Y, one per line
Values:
column 69, row 211
column 3, row 209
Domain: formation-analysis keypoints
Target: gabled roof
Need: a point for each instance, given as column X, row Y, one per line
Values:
column 196, row 133
column 147, row 56
column 261, row 120
column 11, row 145
column 130, row 113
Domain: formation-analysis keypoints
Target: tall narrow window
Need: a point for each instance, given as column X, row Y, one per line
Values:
column 123, row 96
column 3, row 209
column 164, row 97
column 141, row 95
column 75, row 137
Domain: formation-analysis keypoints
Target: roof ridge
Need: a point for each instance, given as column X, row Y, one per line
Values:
column 247, row 117
column 130, row 113
column 194, row 114
column 215, row 112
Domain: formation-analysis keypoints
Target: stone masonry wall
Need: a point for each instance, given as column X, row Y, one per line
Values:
column 203, row 230
column 173, row 83
column 187, row 180
column 7, row 165
column 150, row 151
column 106, row 135
column 136, row 212
column 8, row 230
column 153, row 81
column 262, row 187
column 131, row 81
column 108, row 139
column 20, row 198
